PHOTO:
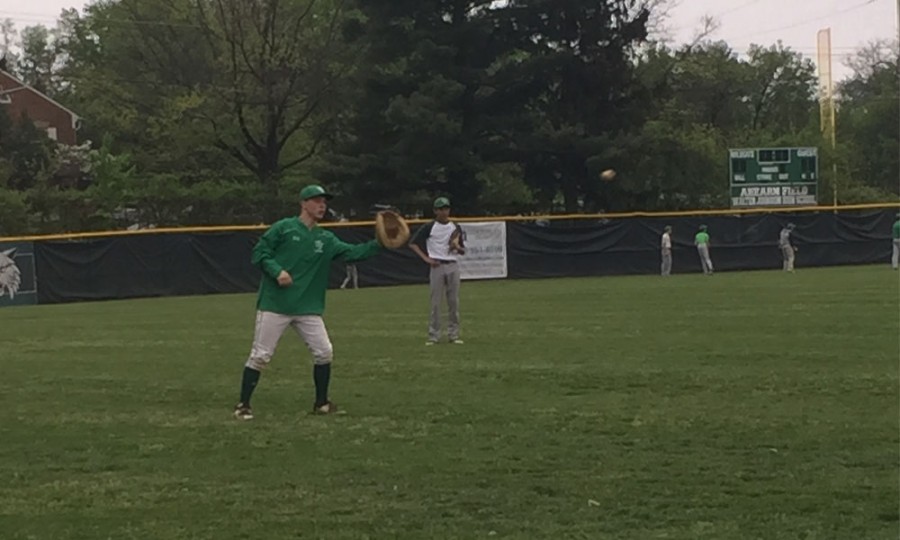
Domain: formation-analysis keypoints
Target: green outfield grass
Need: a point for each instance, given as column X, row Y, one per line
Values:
column 743, row 405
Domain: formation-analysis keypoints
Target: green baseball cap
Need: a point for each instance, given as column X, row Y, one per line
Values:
column 313, row 190
column 442, row 202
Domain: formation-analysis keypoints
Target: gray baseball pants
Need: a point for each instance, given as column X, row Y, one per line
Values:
column 444, row 282
column 705, row 261
column 666, row 267
column 269, row 328
column 787, row 254
column 895, row 255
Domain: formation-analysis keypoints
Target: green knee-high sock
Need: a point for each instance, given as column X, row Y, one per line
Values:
column 321, row 376
column 248, row 384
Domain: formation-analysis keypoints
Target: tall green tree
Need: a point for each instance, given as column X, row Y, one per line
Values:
column 781, row 95
column 868, row 108
column 709, row 87
column 453, row 87
column 577, row 64
column 282, row 68
column 38, row 63
column 8, row 35
column 428, row 97
column 26, row 153
column 698, row 101
column 197, row 81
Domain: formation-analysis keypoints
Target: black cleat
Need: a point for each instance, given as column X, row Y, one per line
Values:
column 243, row 412
column 325, row 408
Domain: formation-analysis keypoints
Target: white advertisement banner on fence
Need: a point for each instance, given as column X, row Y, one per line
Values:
column 485, row 256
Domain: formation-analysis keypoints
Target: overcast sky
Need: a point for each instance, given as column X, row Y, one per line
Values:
column 741, row 22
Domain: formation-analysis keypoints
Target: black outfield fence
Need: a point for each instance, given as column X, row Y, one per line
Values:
column 103, row 266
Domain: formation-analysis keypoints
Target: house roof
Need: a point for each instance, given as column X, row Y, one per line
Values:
column 43, row 96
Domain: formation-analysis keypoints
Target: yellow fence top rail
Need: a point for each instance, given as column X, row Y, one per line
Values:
column 614, row 215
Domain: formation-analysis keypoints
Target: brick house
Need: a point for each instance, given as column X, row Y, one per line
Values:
column 17, row 98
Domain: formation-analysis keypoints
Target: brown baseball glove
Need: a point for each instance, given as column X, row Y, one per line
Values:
column 391, row 229
column 456, row 242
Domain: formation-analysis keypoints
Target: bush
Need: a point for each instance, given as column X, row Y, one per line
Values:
column 14, row 213
column 225, row 203
column 55, row 210
column 856, row 193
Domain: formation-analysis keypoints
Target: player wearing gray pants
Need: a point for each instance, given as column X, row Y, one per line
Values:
column 439, row 244
column 666, row 251
column 295, row 256
column 444, row 282
column 701, row 240
column 895, row 255
column 787, row 250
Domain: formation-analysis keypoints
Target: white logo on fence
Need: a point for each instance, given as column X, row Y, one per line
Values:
column 10, row 276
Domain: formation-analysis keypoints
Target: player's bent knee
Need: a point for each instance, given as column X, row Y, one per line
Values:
column 258, row 363
column 323, row 356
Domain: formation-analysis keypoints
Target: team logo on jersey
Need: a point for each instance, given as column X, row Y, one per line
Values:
column 319, row 245
column 10, row 276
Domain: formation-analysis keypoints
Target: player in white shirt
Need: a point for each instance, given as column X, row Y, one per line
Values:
column 439, row 244
column 666, row 249
column 787, row 249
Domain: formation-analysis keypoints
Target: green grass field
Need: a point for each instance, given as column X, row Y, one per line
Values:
column 745, row 405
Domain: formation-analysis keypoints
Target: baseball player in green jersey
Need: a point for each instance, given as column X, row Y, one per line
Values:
column 701, row 240
column 295, row 257
column 895, row 235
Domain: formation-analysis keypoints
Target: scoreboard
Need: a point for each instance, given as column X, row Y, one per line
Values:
column 773, row 176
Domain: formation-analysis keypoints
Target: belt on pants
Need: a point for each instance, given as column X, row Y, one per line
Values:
column 442, row 261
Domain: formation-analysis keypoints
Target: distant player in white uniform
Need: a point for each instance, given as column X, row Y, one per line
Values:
column 787, row 249
column 10, row 276
column 666, row 251
column 439, row 244
column 895, row 236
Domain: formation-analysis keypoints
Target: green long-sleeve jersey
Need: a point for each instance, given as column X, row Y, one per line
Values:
column 306, row 255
